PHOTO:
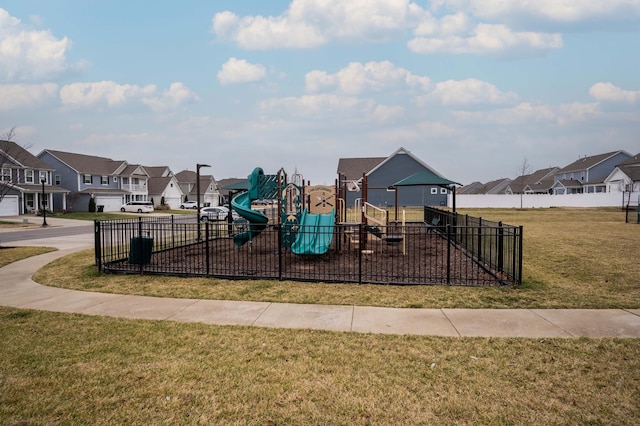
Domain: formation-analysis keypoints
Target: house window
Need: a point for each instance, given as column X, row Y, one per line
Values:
column 43, row 176
column 28, row 176
column 434, row 191
column 87, row 179
column 58, row 180
column 5, row 175
column 443, row 190
column 104, row 180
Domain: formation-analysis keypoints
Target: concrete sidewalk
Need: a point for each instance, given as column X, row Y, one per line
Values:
column 18, row 290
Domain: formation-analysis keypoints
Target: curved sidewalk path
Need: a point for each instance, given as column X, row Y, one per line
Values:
column 18, row 290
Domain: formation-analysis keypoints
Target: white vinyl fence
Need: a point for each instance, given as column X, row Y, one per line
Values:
column 607, row 199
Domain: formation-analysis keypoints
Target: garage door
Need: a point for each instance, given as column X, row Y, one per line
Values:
column 174, row 203
column 111, row 204
column 9, row 205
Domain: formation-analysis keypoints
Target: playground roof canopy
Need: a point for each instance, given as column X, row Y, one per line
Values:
column 424, row 178
column 240, row 185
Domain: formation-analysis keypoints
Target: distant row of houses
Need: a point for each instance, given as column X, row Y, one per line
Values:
column 67, row 181
column 616, row 171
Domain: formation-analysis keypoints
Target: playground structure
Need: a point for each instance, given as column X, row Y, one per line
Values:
column 377, row 228
column 307, row 215
column 306, row 220
column 307, row 234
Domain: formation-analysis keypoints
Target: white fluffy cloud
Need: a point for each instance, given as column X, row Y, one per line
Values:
column 607, row 92
column 312, row 23
column 173, row 98
column 484, row 39
column 107, row 93
column 469, row 92
column 357, row 78
column 374, row 77
column 27, row 54
column 318, row 107
column 481, row 27
column 111, row 94
column 527, row 113
column 555, row 11
column 18, row 96
column 240, row 71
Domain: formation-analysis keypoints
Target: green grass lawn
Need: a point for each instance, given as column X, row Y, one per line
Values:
column 73, row 369
column 573, row 258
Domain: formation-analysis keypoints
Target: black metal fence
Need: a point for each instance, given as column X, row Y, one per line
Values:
column 494, row 244
column 469, row 254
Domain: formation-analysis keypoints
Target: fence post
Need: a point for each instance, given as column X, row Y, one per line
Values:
column 360, row 234
column 479, row 238
column 173, row 232
column 206, row 247
column 519, row 275
column 500, row 247
column 280, row 250
column 97, row 242
column 448, row 253
column 140, row 246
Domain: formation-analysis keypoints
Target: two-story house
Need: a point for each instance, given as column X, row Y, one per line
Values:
column 109, row 182
column 209, row 192
column 164, row 188
column 383, row 172
column 26, row 182
column 587, row 174
column 625, row 177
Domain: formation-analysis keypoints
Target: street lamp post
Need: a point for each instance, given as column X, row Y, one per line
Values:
column 198, row 166
column 44, row 207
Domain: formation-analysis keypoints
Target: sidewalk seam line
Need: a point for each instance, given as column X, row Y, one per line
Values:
column 182, row 310
column 450, row 322
column 260, row 314
column 552, row 323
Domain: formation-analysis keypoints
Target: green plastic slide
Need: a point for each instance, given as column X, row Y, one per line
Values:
column 241, row 203
column 315, row 234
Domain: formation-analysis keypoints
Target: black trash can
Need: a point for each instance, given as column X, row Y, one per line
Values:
column 100, row 209
column 140, row 251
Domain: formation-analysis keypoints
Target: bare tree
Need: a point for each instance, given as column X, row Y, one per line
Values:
column 523, row 170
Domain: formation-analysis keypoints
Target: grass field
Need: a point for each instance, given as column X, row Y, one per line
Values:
column 573, row 258
column 74, row 369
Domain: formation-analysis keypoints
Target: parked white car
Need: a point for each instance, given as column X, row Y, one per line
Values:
column 137, row 207
column 189, row 205
column 216, row 214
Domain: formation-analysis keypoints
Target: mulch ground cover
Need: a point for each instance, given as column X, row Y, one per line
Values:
column 418, row 258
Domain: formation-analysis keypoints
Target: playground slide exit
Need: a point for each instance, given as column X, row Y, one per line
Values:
column 315, row 233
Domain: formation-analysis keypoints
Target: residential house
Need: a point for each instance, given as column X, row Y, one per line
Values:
column 164, row 188
column 383, row 172
column 469, row 188
column 25, row 182
column 625, row 177
column 134, row 180
column 209, row 192
column 539, row 182
column 498, row 186
column 110, row 183
column 587, row 174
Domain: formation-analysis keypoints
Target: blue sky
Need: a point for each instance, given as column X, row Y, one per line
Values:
column 471, row 87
